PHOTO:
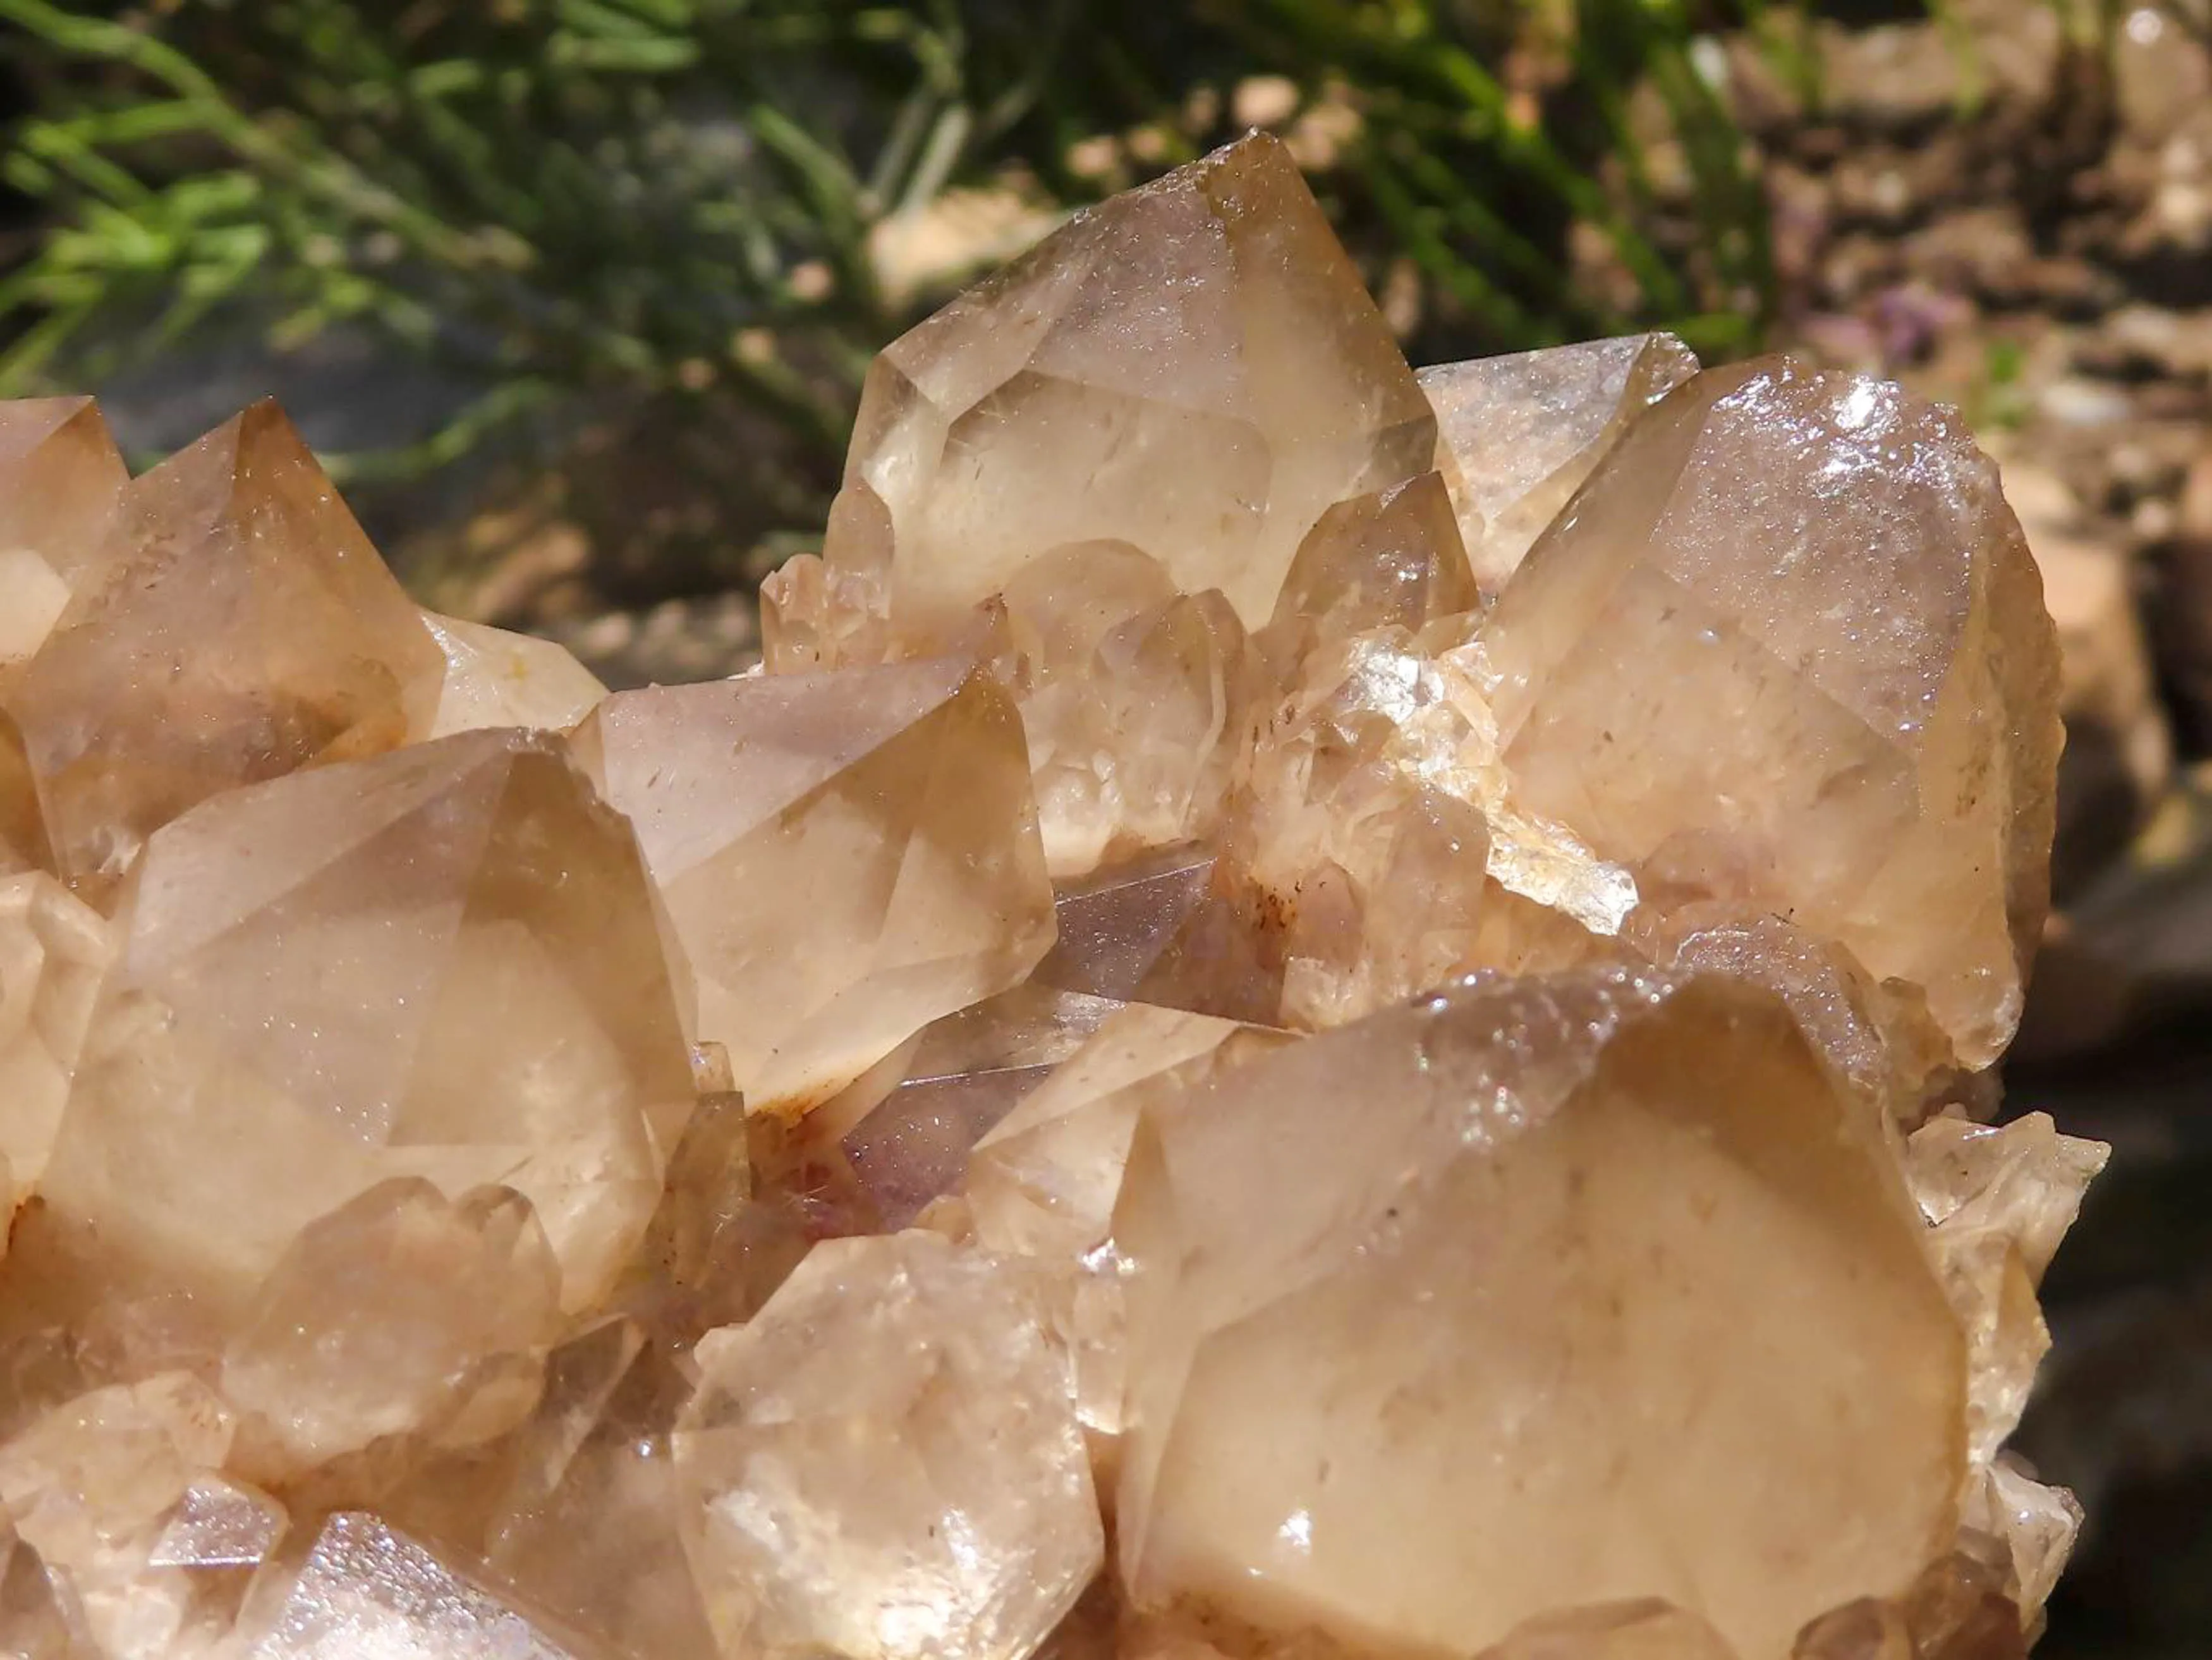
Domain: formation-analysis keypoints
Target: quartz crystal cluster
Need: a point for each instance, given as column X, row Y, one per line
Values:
column 1308, row 1011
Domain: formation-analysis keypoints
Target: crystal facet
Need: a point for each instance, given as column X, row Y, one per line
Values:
column 495, row 679
column 883, row 817
column 1192, row 369
column 1407, row 1295
column 1517, row 436
column 365, row 1588
column 400, row 1312
column 1678, row 632
column 244, row 628
column 885, row 1464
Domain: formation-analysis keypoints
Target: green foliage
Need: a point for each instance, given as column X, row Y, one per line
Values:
column 667, row 216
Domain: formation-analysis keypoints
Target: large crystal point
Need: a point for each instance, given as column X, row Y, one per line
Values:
column 846, row 857
column 440, row 963
column 1518, row 434
column 885, row 1464
column 1789, row 649
column 246, row 629
column 1526, row 1296
column 1192, row 368
column 95, row 1486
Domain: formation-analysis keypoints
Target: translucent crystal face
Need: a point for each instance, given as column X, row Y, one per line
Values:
column 1306, row 1013
column 1496, row 1253
column 233, row 587
column 894, row 833
column 1193, row 369
column 1824, row 570
column 441, row 963
column 495, row 679
column 1517, row 436
column 886, row 1461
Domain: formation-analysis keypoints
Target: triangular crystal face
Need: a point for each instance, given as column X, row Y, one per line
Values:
column 467, row 985
column 881, row 816
column 495, row 678
column 1114, row 924
column 1192, row 368
column 365, row 1588
column 1486, row 1263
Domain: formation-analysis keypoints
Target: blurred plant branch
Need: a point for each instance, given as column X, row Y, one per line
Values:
column 603, row 211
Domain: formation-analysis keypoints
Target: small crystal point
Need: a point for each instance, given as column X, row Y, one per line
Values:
column 219, row 1524
column 1678, row 633
column 495, row 678
column 1393, row 558
column 1135, row 698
